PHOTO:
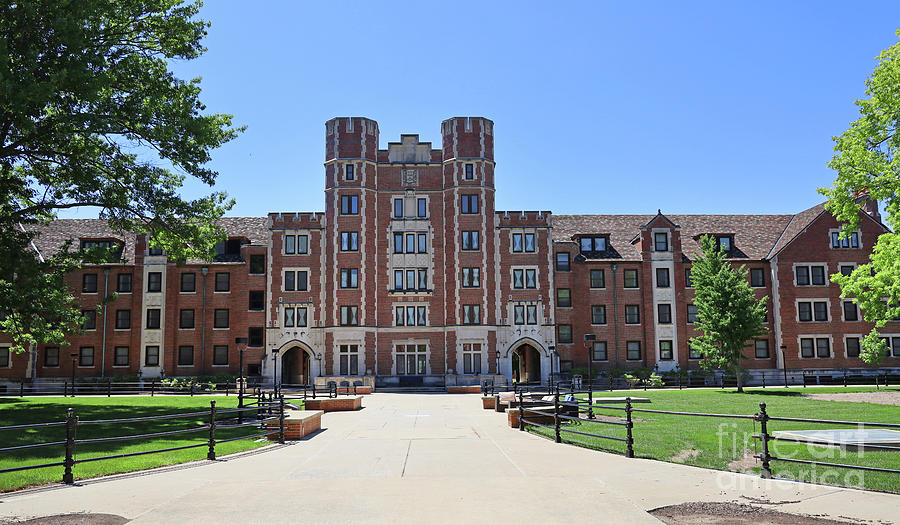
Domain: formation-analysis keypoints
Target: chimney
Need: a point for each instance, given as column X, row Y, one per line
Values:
column 867, row 204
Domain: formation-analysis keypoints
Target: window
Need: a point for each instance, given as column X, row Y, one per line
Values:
column 348, row 356
column 256, row 300
column 188, row 282
column 120, row 356
column 123, row 283
column 592, row 244
column 89, row 283
column 762, row 348
column 531, row 314
column 563, row 297
column 4, row 358
column 186, row 318
column 421, row 208
column 349, row 316
column 255, row 336
column 562, row 262
column 630, row 278
column 86, row 356
column 757, row 277
column 123, row 319
column 688, row 283
column 691, row 313
column 154, row 281
column 812, row 311
column 422, row 242
column 469, row 204
column 470, row 171
column 349, row 204
column 51, row 356
column 598, row 351
column 815, row 347
column 810, row 275
column 470, row 240
column 348, row 172
column 301, row 317
column 410, row 243
column 472, row 358
column 290, row 244
column 90, row 319
column 519, row 314
column 693, row 353
column 349, row 241
column 847, row 269
column 152, row 319
column 471, row 277
column 851, row 312
column 524, row 278
column 220, row 318
column 724, row 243
column 598, row 314
column 661, row 242
column 220, row 355
column 598, row 279
column 151, row 356
column 664, row 313
column 289, row 314
column 662, row 278
column 398, row 208
column 665, row 350
column 398, row 242
column 632, row 314
column 851, row 241
column 529, row 243
column 295, row 281
column 411, row 360
column 564, row 333
column 471, row 314
column 633, row 350
column 518, row 244
column 257, row 263
column 410, row 316
column 223, row 281
column 185, row 355
column 853, row 347
column 349, row 278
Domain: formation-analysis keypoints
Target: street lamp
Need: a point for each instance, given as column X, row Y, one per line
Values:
column 241, row 341
column 275, row 377
column 74, row 364
column 588, row 345
column 784, row 363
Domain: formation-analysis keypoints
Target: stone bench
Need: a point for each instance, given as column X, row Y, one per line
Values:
column 297, row 424
column 360, row 390
column 334, row 404
column 463, row 389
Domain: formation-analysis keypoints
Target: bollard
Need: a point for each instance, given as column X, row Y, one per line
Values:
column 211, row 455
column 765, row 471
column 556, row 418
column 71, row 422
column 629, row 452
column 521, row 412
column 281, row 419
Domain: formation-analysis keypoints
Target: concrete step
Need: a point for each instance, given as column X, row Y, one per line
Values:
column 412, row 389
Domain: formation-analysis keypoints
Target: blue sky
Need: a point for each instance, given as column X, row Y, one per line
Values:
column 599, row 107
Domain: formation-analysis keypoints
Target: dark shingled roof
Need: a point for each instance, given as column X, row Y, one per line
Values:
column 754, row 235
column 796, row 226
column 53, row 235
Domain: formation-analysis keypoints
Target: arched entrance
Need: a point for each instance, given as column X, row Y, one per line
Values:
column 526, row 364
column 295, row 366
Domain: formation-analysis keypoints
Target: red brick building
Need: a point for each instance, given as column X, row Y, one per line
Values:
column 410, row 276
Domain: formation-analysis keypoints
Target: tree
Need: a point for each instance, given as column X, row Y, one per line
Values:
column 868, row 167
column 91, row 116
column 728, row 313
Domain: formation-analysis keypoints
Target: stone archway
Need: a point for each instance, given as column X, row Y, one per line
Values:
column 527, row 364
column 295, row 366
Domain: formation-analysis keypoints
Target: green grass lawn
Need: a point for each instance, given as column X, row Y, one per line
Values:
column 719, row 442
column 20, row 411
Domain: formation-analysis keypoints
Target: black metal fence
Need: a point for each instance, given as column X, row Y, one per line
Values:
column 265, row 411
column 537, row 412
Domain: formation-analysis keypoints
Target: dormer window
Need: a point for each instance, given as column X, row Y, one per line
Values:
column 724, row 242
column 851, row 241
column 593, row 244
column 229, row 250
column 661, row 242
column 113, row 246
column 87, row 245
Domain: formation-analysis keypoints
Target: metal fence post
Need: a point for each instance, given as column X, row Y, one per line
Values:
column 281, row 419
column 211, row 455
column 629, row 438
column 22, row 387
column 556, row 418
column 521, row 411
column 765, row 471
column 152, row 387
column 590, row 398
column 192, row 389
column 764, row 380
column 108, row 387
column 69, row 462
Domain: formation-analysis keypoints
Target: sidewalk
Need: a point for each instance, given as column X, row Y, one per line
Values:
column 408, row 458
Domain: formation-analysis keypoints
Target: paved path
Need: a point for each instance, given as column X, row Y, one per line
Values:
column 428, row 459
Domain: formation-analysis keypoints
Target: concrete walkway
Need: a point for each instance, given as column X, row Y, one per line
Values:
column 409, row 458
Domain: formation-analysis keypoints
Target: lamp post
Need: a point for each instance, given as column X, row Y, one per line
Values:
column 275, row 377
column 497, row 362
column 241, row 341
column 784, row 363
column 552, row 350
column 74, row 364
column 588, row 345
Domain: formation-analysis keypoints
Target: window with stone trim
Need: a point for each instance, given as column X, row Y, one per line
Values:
column 852, row 346
column 470, row 241
column 349, row 204
column 151, row 355
column 815, row 347
column 349, row 241
column 662, row 278
column 761, row 348
column 471, row 314
column 349, row 316
column 661, row 242
column 411, row 359
column 851, row 311
column 349, row 278
column 665, row 350
column 471, row 277
column 809, row 311
column 468, row 204
column 348, row 357
column 154, row 281
column 664, row 313
column 810, row 275
column 472, row 358
column 152, row 319
column 470, row 171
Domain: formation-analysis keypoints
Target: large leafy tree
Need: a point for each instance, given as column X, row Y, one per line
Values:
column 868, row 167
column 91, row 116
column 728, row 313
